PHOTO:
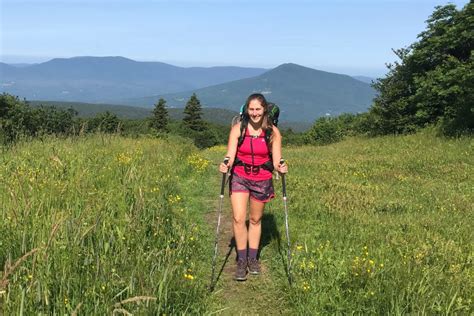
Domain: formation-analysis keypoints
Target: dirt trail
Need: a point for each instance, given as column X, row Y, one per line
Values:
column 259, row 295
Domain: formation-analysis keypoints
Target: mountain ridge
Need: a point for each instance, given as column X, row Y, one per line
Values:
column 103, row 79
column 302, row 93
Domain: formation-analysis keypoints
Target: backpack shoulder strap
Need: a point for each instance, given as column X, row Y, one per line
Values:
column 243, row 130
column 268, row 137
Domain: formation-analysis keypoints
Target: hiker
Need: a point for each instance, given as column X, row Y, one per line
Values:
column 254, row 151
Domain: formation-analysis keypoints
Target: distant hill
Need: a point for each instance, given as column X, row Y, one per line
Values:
column 364, row 79
column 102, row 79
column 20, row 65
column 302, row 93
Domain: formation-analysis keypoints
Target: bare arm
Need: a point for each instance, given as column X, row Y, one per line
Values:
column 231, row 147
column 276, row 147
column 276, row 151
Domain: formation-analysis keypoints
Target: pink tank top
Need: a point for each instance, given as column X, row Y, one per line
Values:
column 253, row 147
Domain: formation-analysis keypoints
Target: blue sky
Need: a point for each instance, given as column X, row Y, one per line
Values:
column 352, row 37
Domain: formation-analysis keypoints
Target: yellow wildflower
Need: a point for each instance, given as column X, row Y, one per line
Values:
column 306, row 286
column 123, row 159
column 197, row 163
column 188, row 276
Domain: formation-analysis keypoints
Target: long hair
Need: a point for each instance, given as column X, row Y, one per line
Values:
column 267, row 124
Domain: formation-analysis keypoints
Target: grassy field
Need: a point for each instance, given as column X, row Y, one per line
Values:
column 383, row 226
column 113, row 225
column 100, row 224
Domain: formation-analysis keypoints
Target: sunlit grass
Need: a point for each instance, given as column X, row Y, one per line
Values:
column 382, row 225
column 102, row 223
column 108, row 221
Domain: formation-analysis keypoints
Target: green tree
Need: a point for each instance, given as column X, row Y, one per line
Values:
column 18, row 118
column 433, row 82
column 52, row 120
column 325, row 131
column 160, row 118
column 193, row 115
column 15, row 117
column 205, row 138
column 105, row 122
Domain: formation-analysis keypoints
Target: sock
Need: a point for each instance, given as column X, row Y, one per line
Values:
column 253, row 253
column 242, row 254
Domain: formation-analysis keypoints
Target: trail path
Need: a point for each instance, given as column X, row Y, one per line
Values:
column 260, row 294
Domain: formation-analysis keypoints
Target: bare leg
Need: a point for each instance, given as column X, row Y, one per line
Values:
column 255, row 227
column 239, row 208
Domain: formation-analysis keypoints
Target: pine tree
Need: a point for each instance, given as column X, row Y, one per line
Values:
column 160, row 118
column 192, row 114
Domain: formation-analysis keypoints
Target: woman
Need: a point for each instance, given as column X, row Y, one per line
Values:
column 252, row 161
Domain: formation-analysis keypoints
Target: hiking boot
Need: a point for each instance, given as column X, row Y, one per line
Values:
column 254, row 266
column 241, row 271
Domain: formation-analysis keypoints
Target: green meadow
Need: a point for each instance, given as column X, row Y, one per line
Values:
column 105, row 224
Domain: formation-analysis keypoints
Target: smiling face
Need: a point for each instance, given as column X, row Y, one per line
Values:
column 255, row 111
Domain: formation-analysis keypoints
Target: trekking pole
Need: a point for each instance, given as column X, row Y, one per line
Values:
column 283, row 184
column 211, row 287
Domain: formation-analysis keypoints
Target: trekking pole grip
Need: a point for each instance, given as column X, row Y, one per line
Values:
column 283, row 182
column 226, row 161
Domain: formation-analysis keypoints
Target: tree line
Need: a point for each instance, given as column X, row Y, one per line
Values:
column 204, row 134
column 18, row 119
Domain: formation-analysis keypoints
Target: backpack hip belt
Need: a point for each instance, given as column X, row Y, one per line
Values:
column 266, row 166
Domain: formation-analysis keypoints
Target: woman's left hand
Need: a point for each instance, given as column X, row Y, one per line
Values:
column 282, row 168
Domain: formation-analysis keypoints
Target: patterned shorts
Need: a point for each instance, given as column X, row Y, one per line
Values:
column 261, row 191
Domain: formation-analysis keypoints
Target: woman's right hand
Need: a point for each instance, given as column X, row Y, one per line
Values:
column 223, row 168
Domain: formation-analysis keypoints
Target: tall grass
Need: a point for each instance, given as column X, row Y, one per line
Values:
column 108, row 225
column 382, row 226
